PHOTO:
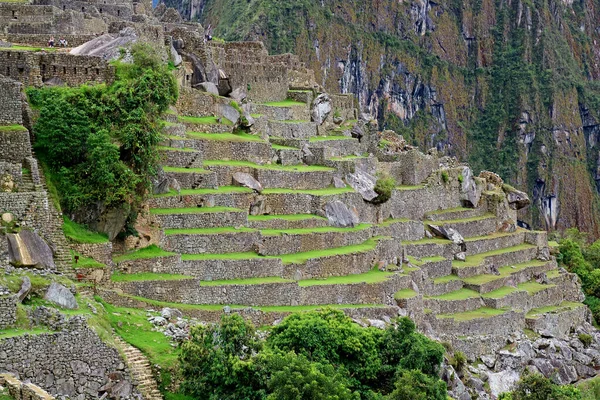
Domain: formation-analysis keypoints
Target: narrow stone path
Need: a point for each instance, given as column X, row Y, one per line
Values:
column 140, row 370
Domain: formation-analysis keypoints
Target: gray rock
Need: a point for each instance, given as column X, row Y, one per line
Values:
column 7, row 218
column 338, row 183
column 470, row 193
column 462, row 256
column 357, row 131
column 502, row 382
column 516, row 199
column 339, row 215
column 229, row 113
column 175, row 57
column 448, row 233
column 60, row 295
column 25, row 289
column 108, row 46
column 321, row 108
column 260, row 207
column 208, row 87
column 247, row 180
column 377, row 323
column 158, row 321
column 28, row 249
column 489, row 361
column 169, row 313
column 363, row 183
column 238, row 94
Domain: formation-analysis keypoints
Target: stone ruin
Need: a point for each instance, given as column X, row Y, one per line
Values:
column 270, row 204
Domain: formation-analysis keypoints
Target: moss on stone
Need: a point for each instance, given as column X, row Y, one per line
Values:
column 152, row 251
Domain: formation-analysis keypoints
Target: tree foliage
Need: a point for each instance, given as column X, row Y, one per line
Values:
column 100, row 142
column 538, row 387
column 314, row 355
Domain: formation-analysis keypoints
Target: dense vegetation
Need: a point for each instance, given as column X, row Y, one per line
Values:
column 313, row 355
column 100, row 142
column 537, row 387
column 584, row 260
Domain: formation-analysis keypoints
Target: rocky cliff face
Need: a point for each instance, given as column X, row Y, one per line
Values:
column 508, row 85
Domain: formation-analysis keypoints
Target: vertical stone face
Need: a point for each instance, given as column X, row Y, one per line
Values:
column 10, row 106
column 8, row 311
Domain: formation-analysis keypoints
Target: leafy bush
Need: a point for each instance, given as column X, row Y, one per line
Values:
column 585, row 339
column 314, row 355
column 459, row 361
column 100, row 142
column 384, row 187
column 537, row 387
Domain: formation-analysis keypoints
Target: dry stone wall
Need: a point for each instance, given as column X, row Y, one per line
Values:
column 10, row 106
column 8, row 311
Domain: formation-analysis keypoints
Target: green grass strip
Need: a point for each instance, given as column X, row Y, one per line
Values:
column 280, row 147
column 405, row 294
column 224, row 256
column 409, row 187
column 313, row 192
column 532, row 287
column 426, row 241
column 462, row 220
column 193, row 210
column 503, row 272
column 483, row 312
column 449, row 210
column 178, row 149
column 564, row 306
column 12, row 128
column 84, row 262
column 15, row 332
column 274, row 167
column 445, row 279
column 225, row 137
column 499, row 293
column 329, row 138
column 248, row 281
column 81, row 234
column 203, row 192
column 187, row 170
column 152, row 251
column 209, row 120
column 208, row 231
column 147, row 276
column 308, row 231
column 491, row 236
column 301, row 258
column 461, row 294
column 371, row 277
column 285, row 103
column 478, row 259
column 285, row 217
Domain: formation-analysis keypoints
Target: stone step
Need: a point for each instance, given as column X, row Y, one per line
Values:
column 460, row 300
column 225, row 146
column 481, row 321
column 210, row 240
column 433, row 267
column 328, row 147
column 287, row 155
column 180, row 157
column 140, row 369
column 206, row 124
column 223, row 196
column 486, row 263
column 282, row 111
column 274, row 176
column 442, row 285
column 200, row 217
column 192, row 178
column 496, row 241
column 557, row 320
column 454, row 213
column 291, row 129
column 471, row 227
column 508, row 275
column 291, row 221
column 174, row 129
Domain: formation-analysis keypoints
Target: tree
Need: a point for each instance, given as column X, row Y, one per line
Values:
column 415, row 385
column 538, row 387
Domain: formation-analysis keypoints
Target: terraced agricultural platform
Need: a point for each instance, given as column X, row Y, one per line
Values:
column 278, row 251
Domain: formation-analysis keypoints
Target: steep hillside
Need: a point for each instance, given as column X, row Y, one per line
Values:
column 510, row 86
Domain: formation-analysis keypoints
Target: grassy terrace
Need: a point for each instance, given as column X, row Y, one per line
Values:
column 308, row 231
column 84, row 262
column 187, row 170
column 178, row 149
column 210, row 120
column 225, row 256
column 373, row 276
column 152, row 251
column 12, row 128
column 148, row 276
column 13, row 332
column 504, row 272
column 81, row 234
column 274, row 167
column 405, row 294
column 347, row 158
column 285, row 217
column 225, row 137
column 301, row 258
column 461, row 220
column 327, row 138
column 449, row 210
column 532, row 287
column 565, row 306
column 193, row 210
column 426, row 241
column 483, row 312
column 207, row 231
column 491, row 236
column 461, row 294
column 445, row 279
column 247, row 281
column 499, row 293
column 285, row 103
column 478, row 259
column 331, row 191
column 280, row 147
column 201, row 192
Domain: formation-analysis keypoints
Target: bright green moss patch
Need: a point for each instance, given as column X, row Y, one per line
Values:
column 248, row 281
column 193, row 210
column 210, row 120
column 478, row 259
column 499, row 293
column 224, row 256
column 201, row 192
column 285, row 103
column 373, row 276
column 308, row 231
column 225, row 137
column 405, row 294
column 301, row 258
column 81, row 234
column 274, row 167
column 207, row 231
column 461, row 294
column 445, row 279
column 147, row 276
column 553, row 243
column 285, row 217
column 483, row 312
column 14, row 332
column 532, row 287
column 555, row 273
column 151, row 251
column 12, row 128
column 280, row 147
column 186, row 170
column 313, row 192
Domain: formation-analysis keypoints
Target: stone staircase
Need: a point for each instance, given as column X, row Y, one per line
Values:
column 140, row 370
column 276, row 252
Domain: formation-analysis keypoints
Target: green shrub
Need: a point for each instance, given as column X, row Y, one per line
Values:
column 538, row 387
column 461, row 178
column 459, row 361
column 384, row 187
column 585, row 339
column 445, row 177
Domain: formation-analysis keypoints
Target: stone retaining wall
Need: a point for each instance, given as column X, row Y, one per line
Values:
column 23, row 391
column 15, row 145
column 165, row 265
column 202, row 219
column 499, row 325
column 101, row 252
column 194, row 180
column 291, row 130
column 11, row 105
column 259, row 152
column 8, row 311
column 231, row 242
column 559, row 324
column 438, row 306
column 182, row 159
column 294, row 113
column 61, row 362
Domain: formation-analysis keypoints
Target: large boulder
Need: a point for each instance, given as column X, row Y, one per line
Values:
column 61, row 296
column 25, row 289
column 340, row 216
column 28, row 249
column 229, row 113
column 247, row 180
column 501, row 382
column 208, row 87
column 363, row 183
column 470, row 192
column 321, row 108
column 108, row 46
column 516, row 199
column 450, row 234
